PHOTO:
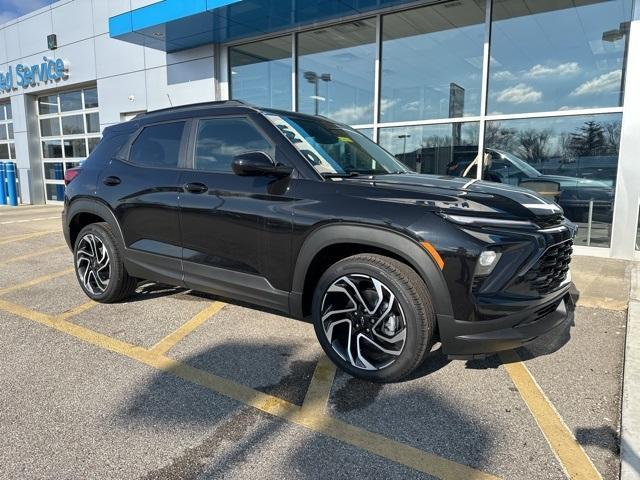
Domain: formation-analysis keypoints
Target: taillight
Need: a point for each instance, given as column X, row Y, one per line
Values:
column 70, row 174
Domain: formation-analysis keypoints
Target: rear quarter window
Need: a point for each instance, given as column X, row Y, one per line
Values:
column 158, row 145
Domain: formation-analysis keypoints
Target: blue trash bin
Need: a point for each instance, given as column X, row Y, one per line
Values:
column 3, row 184
column 12, row 188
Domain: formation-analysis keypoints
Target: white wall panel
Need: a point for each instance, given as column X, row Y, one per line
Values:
column 142, row 3
column 100, row 17
column 116, row 7
column 12, row 42
column 115, row 57
column 33, row 33
column 126, row 94
column 3, row 47
column 72, row 21
column 180, row 84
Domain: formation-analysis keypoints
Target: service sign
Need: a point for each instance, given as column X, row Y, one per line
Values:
column 24, row 76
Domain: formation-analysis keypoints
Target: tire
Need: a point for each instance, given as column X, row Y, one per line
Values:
column 335, row 318
column 102, row 278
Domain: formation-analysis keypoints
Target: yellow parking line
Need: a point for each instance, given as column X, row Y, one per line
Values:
column 315, row 401
column 167, row 343
column 396, row 451
column 392, row 450
column 26, row 236
column 35, row 281
column 575, row 462
column 32, row 255
column 76, row 310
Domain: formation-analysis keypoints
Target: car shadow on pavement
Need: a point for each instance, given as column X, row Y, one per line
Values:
column 227, row 439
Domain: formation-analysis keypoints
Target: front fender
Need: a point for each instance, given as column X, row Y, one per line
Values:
column 400, row 245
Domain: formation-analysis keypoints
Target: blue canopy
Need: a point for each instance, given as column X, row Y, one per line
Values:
column 172, row 25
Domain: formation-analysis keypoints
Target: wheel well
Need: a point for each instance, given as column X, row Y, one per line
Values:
column 330, row 255
column 80, row 221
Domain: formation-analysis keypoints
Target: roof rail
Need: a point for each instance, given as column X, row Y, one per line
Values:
column 229, row 103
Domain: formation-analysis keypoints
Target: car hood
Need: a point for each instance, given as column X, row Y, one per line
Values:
column 569, row 182
column 463, row 195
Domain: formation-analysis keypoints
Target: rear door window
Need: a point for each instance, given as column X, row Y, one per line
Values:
column 158, row 146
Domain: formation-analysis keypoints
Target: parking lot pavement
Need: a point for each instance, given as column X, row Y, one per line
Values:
column 174, row 384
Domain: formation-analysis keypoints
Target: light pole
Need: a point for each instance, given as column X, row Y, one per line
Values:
column 404, row 137
column 314, row 78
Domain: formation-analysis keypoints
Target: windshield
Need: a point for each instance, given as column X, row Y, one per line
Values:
column 520, row 164
column 335, row 150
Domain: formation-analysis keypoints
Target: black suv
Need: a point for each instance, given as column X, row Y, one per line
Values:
column 309, row 217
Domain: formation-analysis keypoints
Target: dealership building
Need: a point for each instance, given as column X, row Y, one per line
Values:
column 547, row 90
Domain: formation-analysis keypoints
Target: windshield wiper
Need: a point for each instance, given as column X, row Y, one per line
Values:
column 340, row 175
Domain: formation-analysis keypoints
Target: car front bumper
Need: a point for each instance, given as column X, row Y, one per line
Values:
column 475, row 339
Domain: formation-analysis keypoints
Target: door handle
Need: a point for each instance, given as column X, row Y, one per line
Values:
column 111, row 181
column 196, row 187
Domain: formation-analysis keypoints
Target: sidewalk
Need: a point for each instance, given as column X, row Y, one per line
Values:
column 630, row 441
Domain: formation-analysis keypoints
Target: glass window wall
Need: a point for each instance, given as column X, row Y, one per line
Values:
column 559, row 55
column 447, row 149
column 336, row 72
column 544, row 59
column 7, row 146
column 432, row 62
column 261, row 72
column 571, row 160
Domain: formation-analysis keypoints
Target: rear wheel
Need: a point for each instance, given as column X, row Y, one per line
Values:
column 99, row 266
column 374, row 317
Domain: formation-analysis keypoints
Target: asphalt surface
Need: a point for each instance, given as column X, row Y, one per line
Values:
column 148, row 389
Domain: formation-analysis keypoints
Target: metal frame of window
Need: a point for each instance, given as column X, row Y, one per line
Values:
column 625, row 207
column 61, row 137
column 9, row 140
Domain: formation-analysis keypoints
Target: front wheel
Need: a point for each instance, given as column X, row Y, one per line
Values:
column 374, row 317
column 99, row 267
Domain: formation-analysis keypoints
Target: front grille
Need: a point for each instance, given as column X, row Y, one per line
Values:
column 552, row 268
column 549, row 221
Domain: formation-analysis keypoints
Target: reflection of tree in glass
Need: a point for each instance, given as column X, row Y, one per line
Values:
column 533, row 144
column 588, row 140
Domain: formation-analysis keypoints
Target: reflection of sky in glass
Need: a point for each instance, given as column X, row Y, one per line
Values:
column 261, row 73
column 339, row 65
column 425, row 51
column 368, row 132
column 563, row 58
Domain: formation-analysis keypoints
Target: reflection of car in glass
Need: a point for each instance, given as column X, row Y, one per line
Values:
column 573, row 194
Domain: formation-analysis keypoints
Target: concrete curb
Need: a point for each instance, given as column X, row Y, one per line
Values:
column 630, row 431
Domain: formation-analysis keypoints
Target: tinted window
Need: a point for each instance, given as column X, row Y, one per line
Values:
column 220, row 140
column 158, row 146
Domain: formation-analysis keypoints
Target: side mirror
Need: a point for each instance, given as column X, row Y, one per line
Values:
column 257, row 164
